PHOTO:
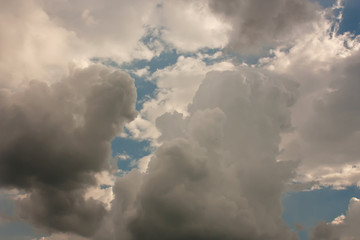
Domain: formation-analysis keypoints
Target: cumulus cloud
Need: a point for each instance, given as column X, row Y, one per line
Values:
column 32, row 46
column 260, row 23
column 225, row 133
column 38, row 38
column 93, row 23
column 343, row 227
column 337, row 113
column 325, row 115
column 176, row 85
column 190, row 25
column 56, row 137
column 219, row 178
column 330, row 133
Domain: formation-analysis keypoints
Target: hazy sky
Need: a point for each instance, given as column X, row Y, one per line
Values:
column 179, row 119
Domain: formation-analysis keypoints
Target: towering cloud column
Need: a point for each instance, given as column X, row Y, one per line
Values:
column 219, row 177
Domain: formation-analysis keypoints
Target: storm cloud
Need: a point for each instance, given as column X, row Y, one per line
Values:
column 56, row 137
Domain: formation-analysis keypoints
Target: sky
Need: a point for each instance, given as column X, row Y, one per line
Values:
column 186, row 119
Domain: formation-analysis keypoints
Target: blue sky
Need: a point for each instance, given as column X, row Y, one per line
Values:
column 309, row 207
column 305, row 208
column 351, row 21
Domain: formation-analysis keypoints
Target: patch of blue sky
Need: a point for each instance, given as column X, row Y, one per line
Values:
column 166, row 58
column 14, row 229
column 131, row 149
column 105, row 61
column 210, row 56
column 167, row 55
column 17, row 230
column 307, row 208
column 145, row 90
column 253, row 60
column 351, row 17
column 105, row 186
column 248, row 59
column 6, row 205
column 210, row 51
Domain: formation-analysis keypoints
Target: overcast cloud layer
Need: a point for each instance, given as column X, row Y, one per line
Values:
column 252, row 98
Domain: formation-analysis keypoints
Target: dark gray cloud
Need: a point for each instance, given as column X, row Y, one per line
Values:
column 262, row 23
column 56, row 137
column 218, row 178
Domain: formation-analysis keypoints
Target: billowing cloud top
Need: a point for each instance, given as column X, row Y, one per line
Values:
column 56, row 137
column 220, row 178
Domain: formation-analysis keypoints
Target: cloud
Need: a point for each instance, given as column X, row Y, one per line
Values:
column 219, row 178
column 226, row 132
column 93, row 23
column 324, row 116
column 343, row 227
column 61, row 236
column 56, row 137
column 38, row 38
column 32, row 46
column 189, row 25
column 176, row 86
column 336, row 113
column 326, row 119
column 260, row 23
